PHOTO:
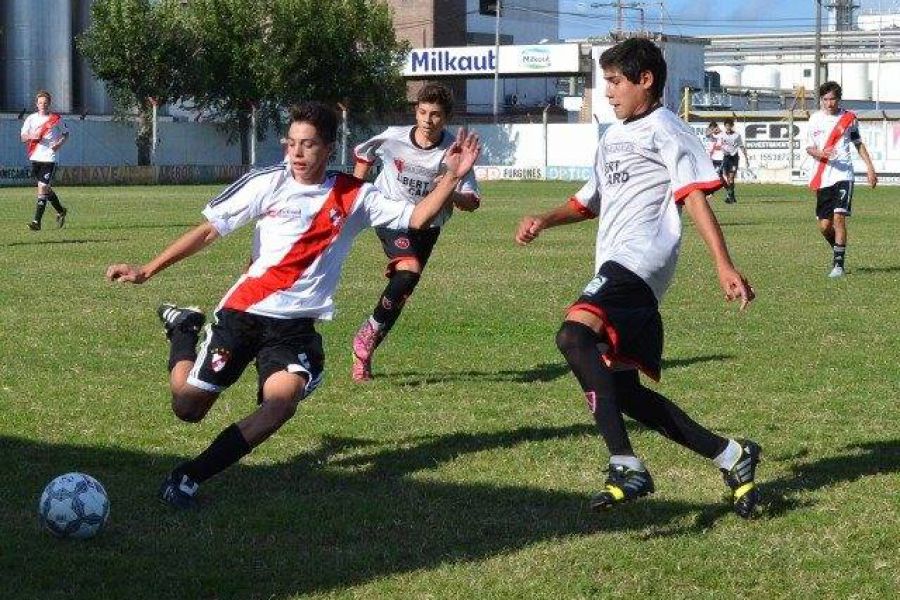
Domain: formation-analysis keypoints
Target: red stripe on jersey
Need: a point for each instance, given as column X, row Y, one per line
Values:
column 708, row 187
column 839, row 128
column 582, row 210
column 49, row 124
column 322, row 231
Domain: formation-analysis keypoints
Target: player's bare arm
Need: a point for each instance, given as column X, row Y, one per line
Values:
column 459, row 159
column 733, row 283
column 871, row 176
column 190, row 243
column 361, row 170
column 59, row 143
column 531, row 225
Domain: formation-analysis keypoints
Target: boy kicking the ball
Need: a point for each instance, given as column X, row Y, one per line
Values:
column 305, row 224
column 646, row 168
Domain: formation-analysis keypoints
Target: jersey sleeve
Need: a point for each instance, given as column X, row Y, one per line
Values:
column 586, row 201
column 380, row 211
column 689, row 167
column 242, row 202
column 367, row 152
column 26, row 125
column 853, row 133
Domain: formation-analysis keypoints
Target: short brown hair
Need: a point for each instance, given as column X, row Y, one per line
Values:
column 319, row 115
column 43, row 94
column 436, row 93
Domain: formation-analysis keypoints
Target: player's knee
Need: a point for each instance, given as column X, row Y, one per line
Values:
column 573, row 336
column 281, row 409
column 404, row 282
column 187, row 410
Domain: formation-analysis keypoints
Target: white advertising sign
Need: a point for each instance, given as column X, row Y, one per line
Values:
column 539, row 59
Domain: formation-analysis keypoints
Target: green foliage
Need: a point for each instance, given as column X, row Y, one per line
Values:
column 464, row 469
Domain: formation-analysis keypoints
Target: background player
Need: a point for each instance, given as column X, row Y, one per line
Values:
column 305, row 224
column 714, row 147
column 646, row 167
column 412, row 161
column 43, row 134
column 831, row 132
column 730, row 142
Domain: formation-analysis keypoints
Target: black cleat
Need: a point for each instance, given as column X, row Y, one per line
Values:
column 740, row 479
column 34, row 226
column 179, row 491
column 622, row 485
column 61, row 218
column 188, row 320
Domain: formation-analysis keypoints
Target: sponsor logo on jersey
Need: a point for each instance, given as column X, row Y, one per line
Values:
column 220, row 358
column 402, row 243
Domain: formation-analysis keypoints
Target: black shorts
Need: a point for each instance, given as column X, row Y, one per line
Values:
column 630, row 312
column 404, row 244
column 235, row 338
column 717, row 165
column 730, row 163
column 835, row 198
column 42, row 172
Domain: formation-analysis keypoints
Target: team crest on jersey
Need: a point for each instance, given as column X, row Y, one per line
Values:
column 399, row 164
column 402, row 243
column 336, row 217
column 220, row 358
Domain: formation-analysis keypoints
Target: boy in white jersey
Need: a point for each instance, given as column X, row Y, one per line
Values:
column 831, row 131
column 714, row 147
column 412, row 161
column 43, row 134
column 646, row 168
column 730, row 141
column 305, row 224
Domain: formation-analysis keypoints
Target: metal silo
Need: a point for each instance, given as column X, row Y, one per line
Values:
column 38, row 49
column 91, row 92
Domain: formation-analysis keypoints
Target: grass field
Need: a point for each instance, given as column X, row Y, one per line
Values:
column 464, row 470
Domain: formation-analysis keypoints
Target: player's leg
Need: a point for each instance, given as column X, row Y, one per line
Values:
column 826, row 228
column 842, row 207
column 38, row 172
column 408, row 252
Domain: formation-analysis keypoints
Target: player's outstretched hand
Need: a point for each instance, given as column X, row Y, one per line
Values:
column 736, row 287
column 125, row 274
column 461, row 156
column 529, row 228
column 872, row 178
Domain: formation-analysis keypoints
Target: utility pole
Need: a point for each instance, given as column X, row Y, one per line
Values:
column 817, row 69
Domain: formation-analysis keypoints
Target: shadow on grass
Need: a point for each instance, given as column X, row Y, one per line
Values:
column 316, row 523
column 856, row 461
column 65, row 241
column 542, row 372
column 891, row 269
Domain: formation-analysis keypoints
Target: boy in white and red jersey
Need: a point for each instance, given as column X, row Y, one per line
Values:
column 43, row 134
column 412, row 160
column 730, row 141
column 714, row 147
column 305, row 224
column 832, row 131
column 647, row 167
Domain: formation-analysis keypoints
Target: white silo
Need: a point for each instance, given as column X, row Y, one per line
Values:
column 761, row 76
column 38, row 48
column 855, row 83
column 730, row 76
column 92, row 95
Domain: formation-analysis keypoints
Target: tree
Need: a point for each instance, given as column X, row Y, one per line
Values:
column 141, row 49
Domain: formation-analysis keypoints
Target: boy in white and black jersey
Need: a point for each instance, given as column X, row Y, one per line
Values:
column 412, row 161
column 831, row 132
column 646, row 168
column 730, row 141
column 305, row 224
column 43, row 134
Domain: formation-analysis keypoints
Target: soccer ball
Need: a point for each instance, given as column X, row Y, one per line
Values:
column 74, row 505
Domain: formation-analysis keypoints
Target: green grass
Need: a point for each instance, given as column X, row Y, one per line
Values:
column 464, row 470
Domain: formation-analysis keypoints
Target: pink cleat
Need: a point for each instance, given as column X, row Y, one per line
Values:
column 364, row 343
column 361, row 370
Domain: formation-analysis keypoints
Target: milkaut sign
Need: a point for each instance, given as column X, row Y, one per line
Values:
column 471, row 61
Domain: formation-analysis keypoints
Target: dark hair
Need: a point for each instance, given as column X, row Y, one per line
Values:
column 43, row 94
column 319, row 115
column 830, row 86
column 633, row 57
column 728, row 121
column 436, row 93
column 712, row 125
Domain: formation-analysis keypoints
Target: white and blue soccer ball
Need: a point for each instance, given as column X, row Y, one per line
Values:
column 74, row 505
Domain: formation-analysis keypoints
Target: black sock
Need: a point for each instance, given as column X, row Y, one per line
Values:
column 54, row 201
column 39, row 208
column 829, row 237
column 183, row 346
column 390, row 305
column 228, row 448
column 578, row 343
column 661, row 414
column 839, row 254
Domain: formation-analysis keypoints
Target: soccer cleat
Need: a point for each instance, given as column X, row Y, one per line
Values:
column 189, row 319
column 361, row 369
column 837, row 271
column 179, row 491
column 741, row 479
column 34, row 226
column 622, row 485
column 61, row 218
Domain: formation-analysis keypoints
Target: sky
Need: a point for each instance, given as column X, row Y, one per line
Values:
column 584, row 18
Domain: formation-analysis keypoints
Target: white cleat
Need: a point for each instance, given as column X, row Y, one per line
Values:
column 837, row 271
